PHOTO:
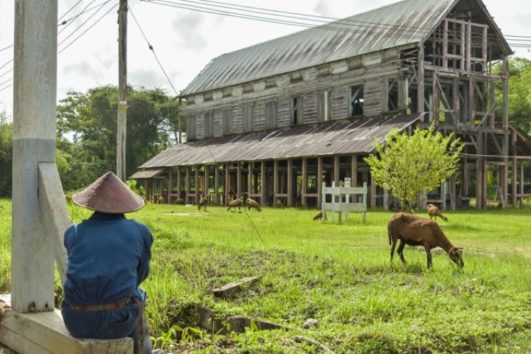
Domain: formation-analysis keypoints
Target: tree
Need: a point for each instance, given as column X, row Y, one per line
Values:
column 406, row 165
column 6, row 156
column 519, row 92
column 87, row 131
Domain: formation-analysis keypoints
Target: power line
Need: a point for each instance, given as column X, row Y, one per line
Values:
column 334, row 26
column 66, row 13
column 85, row 10
column 83, row 23
column 85, row 31
column 6, row 48
column 150, row 46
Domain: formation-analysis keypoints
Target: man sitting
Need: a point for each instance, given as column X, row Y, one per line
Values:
column 108, row 258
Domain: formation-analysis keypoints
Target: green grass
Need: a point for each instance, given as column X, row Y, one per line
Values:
column 337, row 274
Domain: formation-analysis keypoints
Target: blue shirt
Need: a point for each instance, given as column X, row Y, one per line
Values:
column 108, row 258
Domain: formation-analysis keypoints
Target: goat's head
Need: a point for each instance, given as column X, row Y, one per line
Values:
column 456, row 255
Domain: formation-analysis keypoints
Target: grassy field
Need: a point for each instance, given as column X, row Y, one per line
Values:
column 339, row 275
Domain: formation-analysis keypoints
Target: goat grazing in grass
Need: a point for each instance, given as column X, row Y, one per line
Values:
column 179, row 201
column 253, row 204
column 203, row 202
column 235, row 203
column 414, row 231
column 433, row 212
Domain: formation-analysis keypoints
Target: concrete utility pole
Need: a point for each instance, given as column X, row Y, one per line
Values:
column 121, row 133
column 34, row 97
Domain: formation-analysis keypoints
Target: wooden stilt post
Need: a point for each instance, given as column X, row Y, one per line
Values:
column 205, row 183
column 196, row 184
column 239, row 179
column 420, row 81
column 216, row 184
column 250, row 166
column 35, row 86
column 170, row 185
column 319, row 181
column 227, row 184
column 179, row 182
column 304, row 186
column 479, row 172
column 373, row 194
column 187, row 184
column 336, row 170
column 263, row 182
column 275, row 180
column 354, row 171
column 289, row 174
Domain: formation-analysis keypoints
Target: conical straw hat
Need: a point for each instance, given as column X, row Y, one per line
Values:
column 108, row 194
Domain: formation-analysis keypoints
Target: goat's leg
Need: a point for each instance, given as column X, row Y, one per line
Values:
column 428, row 255
column 401, row 250
column 393, row 245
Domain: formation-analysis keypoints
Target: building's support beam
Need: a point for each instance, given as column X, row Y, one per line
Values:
column 275, row 180
column 250, row 173
column 289, row 174
column 196, row 184
column 455, row 103
column 402, row 94
column 227, row 183
column 386, row 199
column 453, row 192
column 187, row 184
column 319, row 181
column 420, row 81
column 469, row 46
column 354, row 171
column 205, row 183
column 216, row 185
column 480, row 172
column 34, row 133
column 263, row 182
column 170, row 185
column 336, row 170
column 445, row 44
column 238, row 179
column 179, row 182
column 304, row 186
column 373, row 194
column 435, row 99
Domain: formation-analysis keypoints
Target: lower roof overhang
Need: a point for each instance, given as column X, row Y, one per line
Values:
column 356, row 136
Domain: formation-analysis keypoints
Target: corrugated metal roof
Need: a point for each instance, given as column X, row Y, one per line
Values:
column 398, row 24
column 145, row 174
column 335, row 138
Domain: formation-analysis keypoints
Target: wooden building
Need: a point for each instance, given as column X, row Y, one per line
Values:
column 274, row 120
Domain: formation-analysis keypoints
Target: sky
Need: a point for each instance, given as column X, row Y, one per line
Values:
column 185, row 41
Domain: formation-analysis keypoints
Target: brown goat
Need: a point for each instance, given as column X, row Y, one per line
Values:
column 179, row 201
column 235, row 203
column 160, row 200
column 433, row 212
column 414, row 230
column 203, row 202
column 253, row 204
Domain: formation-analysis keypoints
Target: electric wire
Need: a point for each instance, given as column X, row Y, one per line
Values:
column 298, row 16
column 6, row 48
column 66, row 23
column 86, row 30
column 84, row 22
column 152, row 49
column 67, row 12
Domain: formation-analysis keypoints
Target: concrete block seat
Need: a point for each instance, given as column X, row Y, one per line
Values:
column 45, row 333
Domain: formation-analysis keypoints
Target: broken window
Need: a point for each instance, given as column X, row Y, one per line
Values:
column 296, row 110
column 356, row 100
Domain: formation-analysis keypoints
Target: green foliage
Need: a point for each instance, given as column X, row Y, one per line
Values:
column 406, row 165
column 6, row 158
column 135, row 187
column 87, row 131
column 519, row 92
